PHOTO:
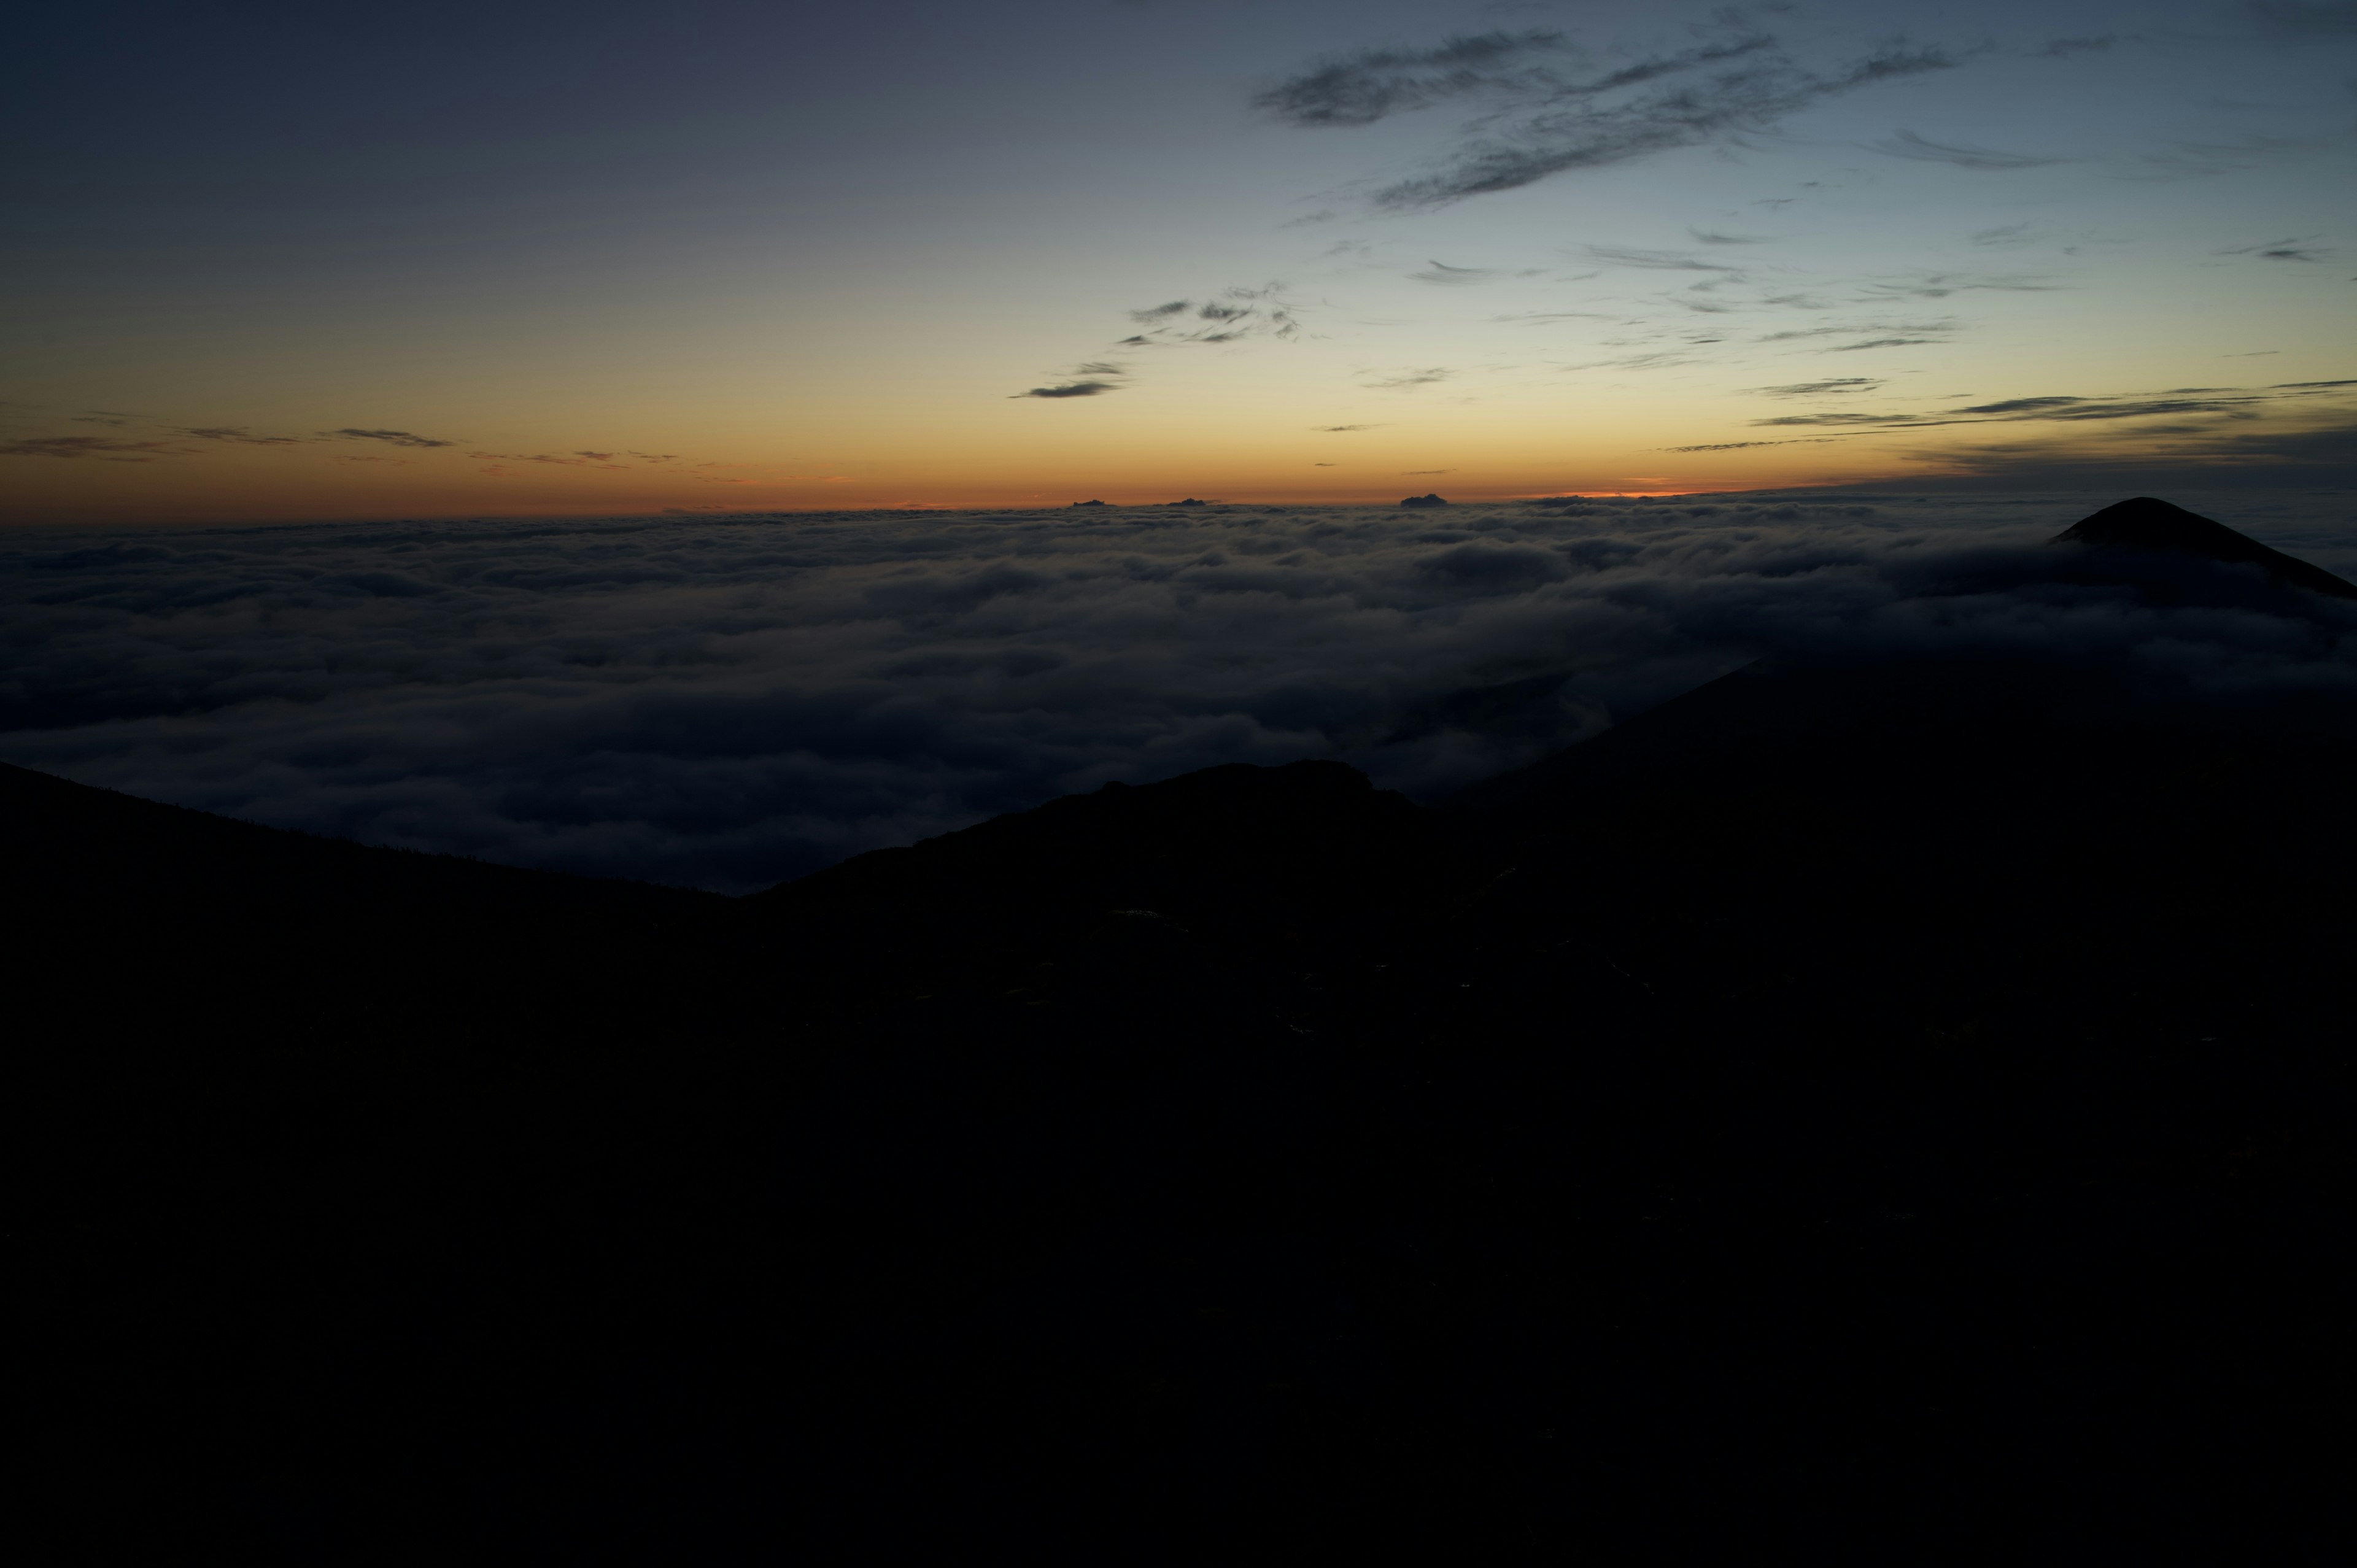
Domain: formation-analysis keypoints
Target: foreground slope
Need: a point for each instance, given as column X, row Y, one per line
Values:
column 2154, row 527
column 72, row 847
column 1869, row 1110
column 1854, row 1103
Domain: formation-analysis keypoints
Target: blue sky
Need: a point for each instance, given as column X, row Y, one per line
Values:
column 276, row 261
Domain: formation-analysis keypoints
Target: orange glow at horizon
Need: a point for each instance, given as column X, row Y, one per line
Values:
column 188, row 482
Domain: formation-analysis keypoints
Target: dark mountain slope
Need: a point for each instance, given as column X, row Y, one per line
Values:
column 189, row 942
column 1838, row 1102
column 288, row 1114
column 1299, row 859
column 1876, row 1111
column 2039, row 847
column 96, row 852
column 1976, row 808
column 2154, row 526
column 1973, row 702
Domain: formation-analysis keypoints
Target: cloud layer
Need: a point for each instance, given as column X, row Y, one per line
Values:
column 727, row 703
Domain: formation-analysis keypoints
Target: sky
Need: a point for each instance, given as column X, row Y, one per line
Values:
column 271, row 263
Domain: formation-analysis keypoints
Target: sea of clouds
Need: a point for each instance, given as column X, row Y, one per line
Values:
column 728, row 702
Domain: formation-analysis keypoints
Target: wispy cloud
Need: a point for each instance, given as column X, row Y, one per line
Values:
column 177, row 439
column 1072, row 389
column 84, row 446
column 1543, row 118
column 1407, row 380
column 1657, row 260
column 2006, row 234
column 1880, row 343
column 1913, row 330
column 2202, row 160
column 1844, row 419
column 1940, row 285
column 396, row 437
column 2216, row 401
column 1362, row 87
column 243, row 437
column 2304, row 456
column 2305, row 16
column 1661, row 361
column 1908, row 145
column 1228, row 316
column 2061, row 48
column 1839, row 385
column 2293, row 431
column 2281, row 251
column 564, row 460
column 1741, row 446
column 1338, row 429
column 1442, row 273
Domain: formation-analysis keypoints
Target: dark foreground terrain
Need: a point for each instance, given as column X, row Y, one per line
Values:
column 1884, row 1112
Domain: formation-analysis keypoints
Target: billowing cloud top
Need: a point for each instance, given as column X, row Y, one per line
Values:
column 731, row 701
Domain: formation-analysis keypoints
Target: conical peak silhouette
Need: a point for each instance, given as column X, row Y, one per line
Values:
column 2145, row 522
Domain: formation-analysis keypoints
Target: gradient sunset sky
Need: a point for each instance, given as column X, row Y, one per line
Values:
column 274, row 262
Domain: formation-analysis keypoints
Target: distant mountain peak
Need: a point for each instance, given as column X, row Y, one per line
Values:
column 2145, row 522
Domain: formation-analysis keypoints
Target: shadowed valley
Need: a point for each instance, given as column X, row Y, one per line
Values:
column 1855, row 1101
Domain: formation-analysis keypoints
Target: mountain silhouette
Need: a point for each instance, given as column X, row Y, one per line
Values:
column 1875, row 1107
column 2146, row 524
column 78, row 851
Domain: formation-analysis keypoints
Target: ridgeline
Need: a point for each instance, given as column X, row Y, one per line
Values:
column 1876, row 1111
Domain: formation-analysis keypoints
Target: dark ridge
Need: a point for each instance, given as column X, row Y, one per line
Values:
column 1433, row 500
column 1981, row 710
column 1205, row 845
column 74, row 847
column 1999, row 700
column 2147, row 523
column 1305, row 855
column 1873, row 1112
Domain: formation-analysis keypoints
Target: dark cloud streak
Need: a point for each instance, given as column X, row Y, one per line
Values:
column 1542, row 121
column 2307, row 17
column 81, row 446
column 395, row 437
column 239, row 435
column 1842, row 385
column 1072, row 389
column 2064, row 409
column 1908, row 145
